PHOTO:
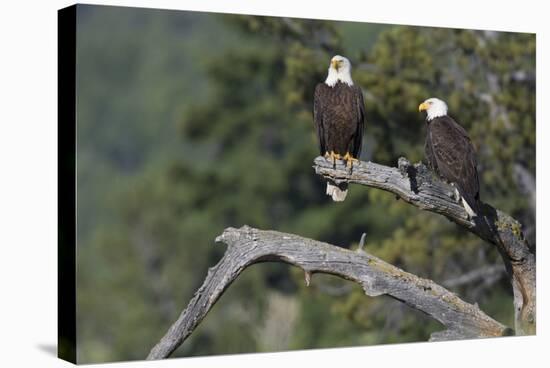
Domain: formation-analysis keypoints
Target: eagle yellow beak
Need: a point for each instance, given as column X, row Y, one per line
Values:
column 335, row 64
column 423, row 106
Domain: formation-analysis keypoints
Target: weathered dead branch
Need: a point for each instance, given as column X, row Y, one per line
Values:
column 247, row 246
column 418, row 186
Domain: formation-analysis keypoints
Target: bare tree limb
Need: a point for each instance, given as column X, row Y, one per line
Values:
column 478, row 275
column 416, row 185
column 247, row 246
column 527, row 184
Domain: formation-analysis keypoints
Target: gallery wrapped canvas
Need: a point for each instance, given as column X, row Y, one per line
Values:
column 239, row 183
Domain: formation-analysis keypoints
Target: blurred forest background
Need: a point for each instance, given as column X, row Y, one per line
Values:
column 192, row 122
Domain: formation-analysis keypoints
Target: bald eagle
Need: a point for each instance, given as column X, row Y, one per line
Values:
column 338, row 115
column 450, row 153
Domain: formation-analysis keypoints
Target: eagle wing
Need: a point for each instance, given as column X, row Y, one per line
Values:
column 358, row 138
column 318, row 118
column 452, row 155
column 428, row 149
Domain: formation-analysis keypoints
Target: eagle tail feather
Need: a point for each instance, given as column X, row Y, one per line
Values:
column 337, row 192
column 468, row 208
column 470, row 203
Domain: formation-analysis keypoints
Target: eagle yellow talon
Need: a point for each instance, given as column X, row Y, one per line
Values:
column 349, row 160
column 333, row 156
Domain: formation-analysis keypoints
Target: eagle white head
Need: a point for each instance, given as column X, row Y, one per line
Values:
column 339, row 70
column 434, row 108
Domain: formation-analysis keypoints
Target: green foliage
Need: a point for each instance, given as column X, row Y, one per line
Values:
column 193, row 122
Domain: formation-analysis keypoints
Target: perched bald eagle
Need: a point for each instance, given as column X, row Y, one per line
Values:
column 338, row 115
column 450, row 153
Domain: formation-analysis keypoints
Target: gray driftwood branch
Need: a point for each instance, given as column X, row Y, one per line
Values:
column 486, row 274
column 418, row 186
column 246, row 246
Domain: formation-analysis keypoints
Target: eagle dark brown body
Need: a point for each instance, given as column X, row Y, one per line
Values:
column 338, row 114
column 450, row 153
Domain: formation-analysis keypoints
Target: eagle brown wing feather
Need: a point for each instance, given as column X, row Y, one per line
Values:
column 358, row 139
column 318, row 118
column 338, row 115
column 451, row 154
